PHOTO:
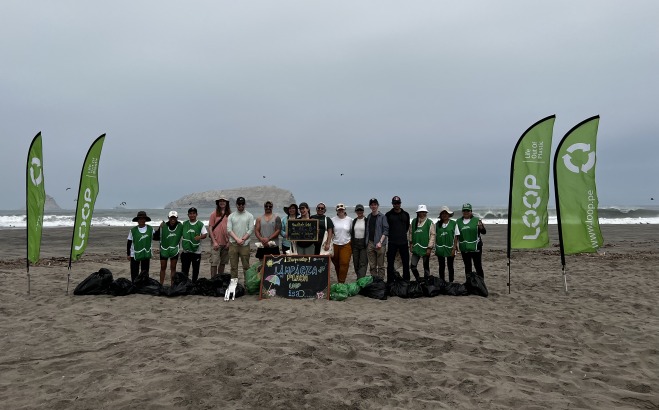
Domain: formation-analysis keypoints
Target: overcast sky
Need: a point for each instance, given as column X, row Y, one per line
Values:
column 421, row 99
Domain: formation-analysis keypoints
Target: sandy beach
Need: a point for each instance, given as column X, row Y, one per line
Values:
column 536, row 348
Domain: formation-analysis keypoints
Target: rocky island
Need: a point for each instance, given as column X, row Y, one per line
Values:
column 255, row 196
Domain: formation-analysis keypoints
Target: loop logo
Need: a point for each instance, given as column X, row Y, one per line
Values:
column 585, row 149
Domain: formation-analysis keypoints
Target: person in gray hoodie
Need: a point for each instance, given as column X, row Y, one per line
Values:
column 377, row 231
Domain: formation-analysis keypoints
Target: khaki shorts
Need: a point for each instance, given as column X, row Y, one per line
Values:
column 220, row 256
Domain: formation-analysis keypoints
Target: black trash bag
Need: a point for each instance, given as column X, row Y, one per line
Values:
column 180, row 277
column 221, row 280
column 377, row 289
column 455, row 289
column 98, row 283
column 415, row 289
column 142, row 279
column 122, row 287
column 148, row 286
column 202, row 287
column 476, row 285
column 177, row 289
column 399, row 287
column 241, row 290
column 432, row 286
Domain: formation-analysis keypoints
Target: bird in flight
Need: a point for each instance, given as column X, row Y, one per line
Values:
column 67, row 189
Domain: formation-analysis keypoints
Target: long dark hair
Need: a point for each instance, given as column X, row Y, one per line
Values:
column 227, row 209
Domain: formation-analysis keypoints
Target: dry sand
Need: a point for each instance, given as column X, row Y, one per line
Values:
column 596, row 347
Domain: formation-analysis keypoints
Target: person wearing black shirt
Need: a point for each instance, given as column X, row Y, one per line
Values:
column 399, row 223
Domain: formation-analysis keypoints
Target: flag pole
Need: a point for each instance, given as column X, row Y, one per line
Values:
column 558, row 217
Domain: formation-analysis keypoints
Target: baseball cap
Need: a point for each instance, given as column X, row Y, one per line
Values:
column 173, row 214
column 240, row 200
column 193, row 209
column 359, row 207
column 340, row 206
column 373, row 201
column 466, row 207
column 395, row 200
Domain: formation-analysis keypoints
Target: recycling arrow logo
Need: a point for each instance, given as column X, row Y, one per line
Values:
column 579, row 146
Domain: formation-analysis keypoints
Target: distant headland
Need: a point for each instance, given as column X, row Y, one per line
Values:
column 254, row 196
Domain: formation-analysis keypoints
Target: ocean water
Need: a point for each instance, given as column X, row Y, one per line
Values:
column 627, row 215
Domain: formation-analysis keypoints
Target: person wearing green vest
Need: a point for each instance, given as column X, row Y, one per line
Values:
column 138, row 247
column 470, row 229
column 446, row 242
column 193, row 232
column 421, row 236
column 170, row 238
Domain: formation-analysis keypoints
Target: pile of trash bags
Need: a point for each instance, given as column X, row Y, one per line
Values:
column 102, row 283
column 376, row 288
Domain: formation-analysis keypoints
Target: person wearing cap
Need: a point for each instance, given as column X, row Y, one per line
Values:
column 358, row 242
column 219, row 254
column 240, row 228
column 170, row 233
column 291, row 213
column 399, row 226
column 446, row 242
column 325, row 226
column 193, row 232
column 138, row 247
column 422, row 241
column 377, row 231
column 267, row 229
column 469, row 230
column 341, row 242
column 304, row 247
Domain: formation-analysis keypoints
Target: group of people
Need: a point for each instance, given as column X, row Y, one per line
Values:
column 366, row 239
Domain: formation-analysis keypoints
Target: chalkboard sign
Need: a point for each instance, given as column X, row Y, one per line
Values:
column 302, row 230
column 295, row 277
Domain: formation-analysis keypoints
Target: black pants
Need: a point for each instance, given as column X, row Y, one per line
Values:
column 443, row 263
column 188, row 258
column 404, row 250
column 426, row 265
column 138, row 266
column 467, row 258
column 261, row 252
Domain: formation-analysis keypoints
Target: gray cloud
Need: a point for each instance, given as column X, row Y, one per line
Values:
column 418, row 99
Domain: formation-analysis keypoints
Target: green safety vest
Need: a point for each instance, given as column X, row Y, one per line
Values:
column 468, row 239
column 420, row 237
column 142, row 242
column 169, row 240
column 444, row 238
column 191, row 230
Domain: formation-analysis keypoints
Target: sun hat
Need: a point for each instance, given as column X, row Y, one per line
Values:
column 466, row 207
column 340, row 207
column 359, row 207
column 421, row 208
column 221, row 198
column 445, row 209
column 173, row 214
column 293, row 204
column 141, row 214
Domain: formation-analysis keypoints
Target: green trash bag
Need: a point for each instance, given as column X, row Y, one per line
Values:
column 366, row 280
column 339, row 291
column 353, row 288
column 253, row 279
